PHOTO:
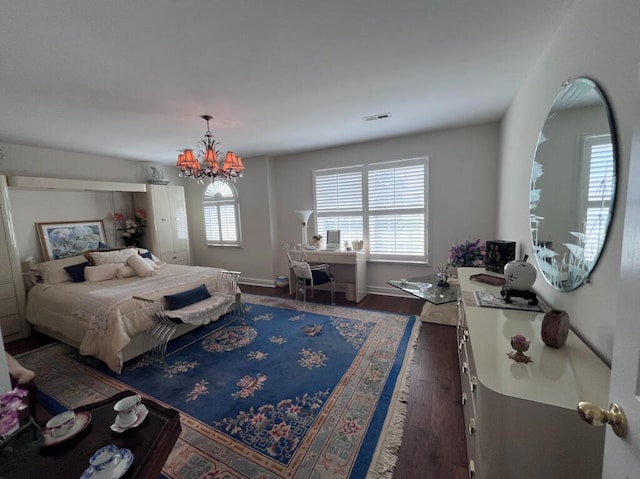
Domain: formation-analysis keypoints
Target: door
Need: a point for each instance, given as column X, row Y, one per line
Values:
column 622, row 455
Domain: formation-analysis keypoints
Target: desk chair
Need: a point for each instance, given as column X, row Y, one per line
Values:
column 308, row 275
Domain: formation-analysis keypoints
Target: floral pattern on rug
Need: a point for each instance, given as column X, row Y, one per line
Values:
column 249, row 385
column 179, row 367
column 198, row 390
column 312, row 359
column 297, row 317
column 312, row 329
column 275, row 430
column 229, row 338
column 258, row 355
column 355, row 332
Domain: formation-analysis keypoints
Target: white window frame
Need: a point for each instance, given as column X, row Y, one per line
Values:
column 230, row 202
column 591, row 200
column 365, row 213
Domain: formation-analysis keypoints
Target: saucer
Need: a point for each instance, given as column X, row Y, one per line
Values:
column 141, row 414
column 115, row 472
column 81, row 421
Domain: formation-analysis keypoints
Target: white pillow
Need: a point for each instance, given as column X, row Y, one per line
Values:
column 125, row 271
column 103, row 272
column 97, row 258
column 151, row 263
column 156, row 260
column 140, row 265
column 53, row 272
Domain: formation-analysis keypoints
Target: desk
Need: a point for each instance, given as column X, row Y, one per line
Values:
column 346, row 266
column 150, row 443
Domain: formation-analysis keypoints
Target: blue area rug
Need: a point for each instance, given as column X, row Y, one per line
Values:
column 281, row 393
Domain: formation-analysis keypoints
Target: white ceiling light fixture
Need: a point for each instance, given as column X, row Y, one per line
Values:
column 209, row 155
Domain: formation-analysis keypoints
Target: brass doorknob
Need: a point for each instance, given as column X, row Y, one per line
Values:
column 596, row 416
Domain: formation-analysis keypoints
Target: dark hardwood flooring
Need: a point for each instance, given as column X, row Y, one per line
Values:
column 433, row 444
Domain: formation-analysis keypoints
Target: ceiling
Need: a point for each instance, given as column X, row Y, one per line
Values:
column 130, row 79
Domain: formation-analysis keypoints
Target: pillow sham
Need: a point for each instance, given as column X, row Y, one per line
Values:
column 140, row 265
column 76, row 271
column 97, row 258
column 103, row 272
column 185, row 298
column 146, row 255
column 53, row 272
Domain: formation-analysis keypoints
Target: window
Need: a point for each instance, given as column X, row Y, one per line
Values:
column 221, row 214
column 600, row 182
column 384, row 203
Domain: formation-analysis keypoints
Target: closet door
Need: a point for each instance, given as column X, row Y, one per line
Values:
column 163, row 219
column 178, row 211
column 12, row 292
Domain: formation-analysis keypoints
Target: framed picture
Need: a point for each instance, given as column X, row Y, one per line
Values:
column 70, row 238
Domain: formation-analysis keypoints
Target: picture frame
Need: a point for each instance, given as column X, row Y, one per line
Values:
column 69, row 238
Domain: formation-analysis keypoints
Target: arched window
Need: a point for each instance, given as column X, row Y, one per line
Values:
column 222, row 214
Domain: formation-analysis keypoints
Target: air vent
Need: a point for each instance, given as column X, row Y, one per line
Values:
column 379, row 116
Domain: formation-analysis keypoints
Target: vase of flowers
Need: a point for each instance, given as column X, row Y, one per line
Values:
column 132, row 228
column 11, row 405
column 469, row 253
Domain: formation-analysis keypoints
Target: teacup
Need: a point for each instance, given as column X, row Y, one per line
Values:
column 105, row 458
column 61, row 424
column 127, row 409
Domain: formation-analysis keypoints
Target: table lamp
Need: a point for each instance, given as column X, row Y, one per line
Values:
column 304, row 218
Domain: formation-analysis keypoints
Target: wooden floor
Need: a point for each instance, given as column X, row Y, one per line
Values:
column 433, row 445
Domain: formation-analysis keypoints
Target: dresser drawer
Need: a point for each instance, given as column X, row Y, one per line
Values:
column 177, row 257
column 8, row 307
column 10, row 324
column 7, row 290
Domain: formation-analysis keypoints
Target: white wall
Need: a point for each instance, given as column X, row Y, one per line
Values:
column 463, row 193
column 255, row 258
column 598, row 39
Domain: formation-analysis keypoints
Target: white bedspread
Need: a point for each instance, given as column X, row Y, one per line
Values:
column 101, row 318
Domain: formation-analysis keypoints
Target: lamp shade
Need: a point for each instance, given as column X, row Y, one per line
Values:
column 180, row 163
column 190, row 160
column 304, row 215
column 211, row 158
column 233, row 161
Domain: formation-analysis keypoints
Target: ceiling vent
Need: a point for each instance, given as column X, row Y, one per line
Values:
column 379, row 116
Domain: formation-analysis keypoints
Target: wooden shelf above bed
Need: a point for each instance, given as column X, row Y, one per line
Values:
column 32, row 182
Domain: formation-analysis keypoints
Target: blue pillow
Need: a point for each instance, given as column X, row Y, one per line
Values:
column 102, row 245
column 191, row 296
column 147, row 255
column 77, row 272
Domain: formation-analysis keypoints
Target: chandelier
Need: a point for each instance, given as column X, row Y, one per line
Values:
column 209, row 164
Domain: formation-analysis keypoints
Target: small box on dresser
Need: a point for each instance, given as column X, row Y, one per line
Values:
column 521, row 419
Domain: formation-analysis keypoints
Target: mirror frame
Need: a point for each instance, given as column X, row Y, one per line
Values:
column 546, row 256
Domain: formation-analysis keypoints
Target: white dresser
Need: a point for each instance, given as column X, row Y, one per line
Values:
column 12, row 290
column 521, row 419
column 167, row 234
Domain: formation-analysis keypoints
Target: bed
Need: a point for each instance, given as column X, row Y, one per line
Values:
column 102, row 305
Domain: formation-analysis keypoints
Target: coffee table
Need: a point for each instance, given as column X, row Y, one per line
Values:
column 440, row 302
column 150, row 442
column 431, row 292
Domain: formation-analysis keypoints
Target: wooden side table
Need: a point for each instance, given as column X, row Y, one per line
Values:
column 150, row 443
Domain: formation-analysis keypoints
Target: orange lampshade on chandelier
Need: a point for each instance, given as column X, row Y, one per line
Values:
column 209, row 164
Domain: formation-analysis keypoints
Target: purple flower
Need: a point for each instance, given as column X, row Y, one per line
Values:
column 469, row 253
column 10, row 404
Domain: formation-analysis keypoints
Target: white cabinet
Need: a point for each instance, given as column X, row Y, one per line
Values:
column 167, row 235
column 521, row 419
column 12, row 291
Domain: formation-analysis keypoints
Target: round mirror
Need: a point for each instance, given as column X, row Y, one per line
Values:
column 573, row 184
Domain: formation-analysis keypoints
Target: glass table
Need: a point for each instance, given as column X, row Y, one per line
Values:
column 426, row 287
